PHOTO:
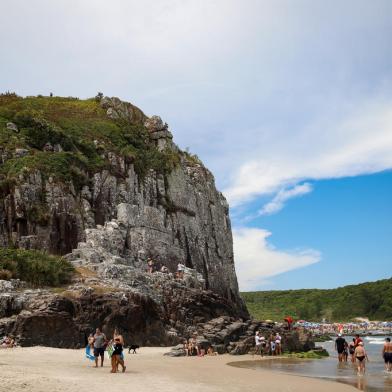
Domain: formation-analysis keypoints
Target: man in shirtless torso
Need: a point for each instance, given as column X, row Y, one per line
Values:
column 387, row 354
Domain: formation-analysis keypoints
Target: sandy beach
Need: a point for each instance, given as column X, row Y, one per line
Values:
column 39, row 369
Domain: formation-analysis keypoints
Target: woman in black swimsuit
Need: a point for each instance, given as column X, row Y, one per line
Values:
column 361, row 356
column 351, row 348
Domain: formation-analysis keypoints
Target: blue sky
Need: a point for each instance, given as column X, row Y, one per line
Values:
column 347, row 220
column 289, row 103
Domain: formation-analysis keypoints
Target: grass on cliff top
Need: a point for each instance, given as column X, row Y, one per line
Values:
column 34, row 267
column 85, row 134
column 372, row 300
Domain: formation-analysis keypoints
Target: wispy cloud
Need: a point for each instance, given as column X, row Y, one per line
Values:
column 257, row 260
column 359, row 143
column 278, row 202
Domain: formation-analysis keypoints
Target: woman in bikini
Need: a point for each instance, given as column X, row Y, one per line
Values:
column 361, row 356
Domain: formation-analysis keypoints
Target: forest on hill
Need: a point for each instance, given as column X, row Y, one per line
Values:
column 372, row 300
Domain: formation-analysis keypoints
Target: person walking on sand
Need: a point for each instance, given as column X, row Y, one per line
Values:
column 387, row 354
column 345, row 352
column 116, row 334
column 361, row 356
column 340, row 344
column 99, row 346
column 117, row 356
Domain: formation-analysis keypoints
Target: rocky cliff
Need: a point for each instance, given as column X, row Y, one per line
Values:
column 104, row 185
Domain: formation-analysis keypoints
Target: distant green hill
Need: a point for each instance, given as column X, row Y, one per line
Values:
column 372, row 300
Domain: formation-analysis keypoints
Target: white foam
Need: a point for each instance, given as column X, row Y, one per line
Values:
column 376, row 341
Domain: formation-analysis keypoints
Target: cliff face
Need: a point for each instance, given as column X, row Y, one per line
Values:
column 117, row 211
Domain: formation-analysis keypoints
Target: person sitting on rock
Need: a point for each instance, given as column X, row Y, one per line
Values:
column 180, row 271
column 185, row 347
column 150, row 265
column 8, row 342
column 193, row 347
column 211, row 352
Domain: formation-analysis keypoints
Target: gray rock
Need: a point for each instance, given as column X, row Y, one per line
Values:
column 20, row 152
column 12, row 127
column 155, row 124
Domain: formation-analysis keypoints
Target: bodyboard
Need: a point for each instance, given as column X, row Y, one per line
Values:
column 88, row 354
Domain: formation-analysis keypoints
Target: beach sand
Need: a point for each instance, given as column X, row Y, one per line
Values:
column 37, row 369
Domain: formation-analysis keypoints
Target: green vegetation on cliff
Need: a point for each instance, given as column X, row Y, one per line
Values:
column 34, row 267
column 84, row 135
column 372, row 300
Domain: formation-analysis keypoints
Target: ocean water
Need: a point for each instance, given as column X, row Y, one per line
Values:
column 375, row 378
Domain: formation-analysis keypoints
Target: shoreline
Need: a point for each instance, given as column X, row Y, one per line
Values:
column 41, row 369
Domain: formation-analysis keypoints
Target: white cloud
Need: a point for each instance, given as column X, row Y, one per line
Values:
column 257, row 260
column 360, row 142
column 278, row 202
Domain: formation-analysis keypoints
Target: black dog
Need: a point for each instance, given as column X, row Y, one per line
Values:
column 133, row 347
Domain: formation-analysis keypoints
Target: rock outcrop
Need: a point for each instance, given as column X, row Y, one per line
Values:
column 107, row 227
column 178, row 217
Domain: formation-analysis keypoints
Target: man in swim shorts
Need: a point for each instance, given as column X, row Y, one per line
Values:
column 99, row 346
column 387, row 354
column 340, row 345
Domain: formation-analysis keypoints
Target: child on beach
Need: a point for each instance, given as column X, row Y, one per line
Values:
column 116, row 356
column 90, row 341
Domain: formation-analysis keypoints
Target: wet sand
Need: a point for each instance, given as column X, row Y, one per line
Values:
column 39, row 369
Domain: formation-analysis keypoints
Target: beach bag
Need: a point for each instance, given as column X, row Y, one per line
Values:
column 109, row 350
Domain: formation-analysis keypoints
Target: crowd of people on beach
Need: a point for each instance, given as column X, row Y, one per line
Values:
column 358, row 354
column 154, row 266
column 7, row 342
column 192, row 348
column 271, row 346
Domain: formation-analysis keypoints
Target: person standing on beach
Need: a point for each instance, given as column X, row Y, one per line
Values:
column 117, row 357
column 387, row 354
column 357, row 340
column 351, row 348
column 99, row 346
column 271, row 342
column 258, row 347
column 361, row 356
column 340, row 344
column 116, row 334
column 278, row 344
